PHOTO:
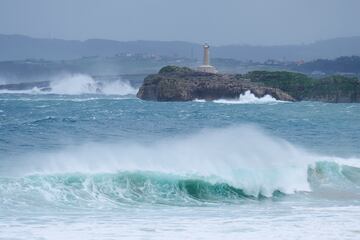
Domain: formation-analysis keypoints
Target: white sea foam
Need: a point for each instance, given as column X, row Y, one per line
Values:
column 248, row 98
column 224, row 222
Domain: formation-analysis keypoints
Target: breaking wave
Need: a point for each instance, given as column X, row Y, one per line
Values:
column 226, row 165
column 248, row 98
column 83, row 84
column 78, row 84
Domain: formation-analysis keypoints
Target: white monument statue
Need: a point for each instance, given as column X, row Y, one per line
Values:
column 206, row 67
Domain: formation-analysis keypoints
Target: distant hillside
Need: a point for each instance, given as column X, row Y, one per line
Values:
column 327, row 49
column 18, row 47
column 42, row 70
column 341, row 65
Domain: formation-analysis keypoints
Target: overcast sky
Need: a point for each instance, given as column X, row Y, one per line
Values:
column 255, row 22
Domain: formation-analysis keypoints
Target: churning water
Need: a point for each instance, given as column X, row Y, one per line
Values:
column 82, row 163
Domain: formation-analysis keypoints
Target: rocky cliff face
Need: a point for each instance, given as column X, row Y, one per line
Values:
column 184, row 84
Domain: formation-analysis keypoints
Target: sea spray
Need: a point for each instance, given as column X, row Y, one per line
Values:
column 78, row 84
column 74, row 85
column 244, row 157
column 333, row 180
column 249, row 98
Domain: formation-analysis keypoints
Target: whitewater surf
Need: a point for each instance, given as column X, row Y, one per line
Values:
column 75, row 84
column 92, row 165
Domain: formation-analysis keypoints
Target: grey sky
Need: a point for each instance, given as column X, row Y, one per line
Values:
column 264, row 22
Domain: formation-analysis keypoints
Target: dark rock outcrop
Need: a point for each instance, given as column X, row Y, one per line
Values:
column 184, row 84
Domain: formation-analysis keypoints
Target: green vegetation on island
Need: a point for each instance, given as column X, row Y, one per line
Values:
column 302, row 87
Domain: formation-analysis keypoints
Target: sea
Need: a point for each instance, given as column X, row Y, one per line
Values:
column 91, row 161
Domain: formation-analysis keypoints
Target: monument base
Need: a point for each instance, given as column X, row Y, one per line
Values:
column 207, row 69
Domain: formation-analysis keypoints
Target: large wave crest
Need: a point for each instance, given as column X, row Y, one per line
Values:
column 220, row 165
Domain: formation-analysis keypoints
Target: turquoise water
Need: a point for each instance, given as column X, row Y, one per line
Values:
column 95, row 166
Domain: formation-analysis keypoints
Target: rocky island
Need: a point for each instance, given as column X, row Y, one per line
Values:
column 184, row 84
column 174, row 83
